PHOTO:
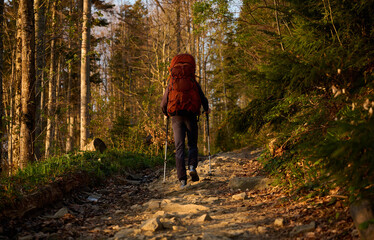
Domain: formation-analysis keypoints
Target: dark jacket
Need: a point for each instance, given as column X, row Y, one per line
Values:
column 164, row 102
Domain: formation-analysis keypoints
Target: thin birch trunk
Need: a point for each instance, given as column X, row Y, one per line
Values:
column 51, row 88
column 85, row 73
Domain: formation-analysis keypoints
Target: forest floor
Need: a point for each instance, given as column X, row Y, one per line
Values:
column 138, row 207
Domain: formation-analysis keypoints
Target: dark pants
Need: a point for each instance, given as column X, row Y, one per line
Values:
column 181, row 126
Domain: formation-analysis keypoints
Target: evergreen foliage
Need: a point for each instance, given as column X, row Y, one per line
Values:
column 313, row 100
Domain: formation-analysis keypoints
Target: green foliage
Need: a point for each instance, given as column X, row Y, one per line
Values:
column 313, row 101
column 96, row 165
column 120, row 131
column 347, row 154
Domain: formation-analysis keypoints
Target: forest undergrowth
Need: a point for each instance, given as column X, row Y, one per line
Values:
column 92, row 165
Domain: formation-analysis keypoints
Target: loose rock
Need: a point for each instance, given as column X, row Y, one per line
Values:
column 60, row 213
column 184, row 208
column 249, row 183
column 362, row 212
column 179, row 228
column 204, row 218
column 153, row 224
column 278, row 222
column 123, row 234
column 303, row 229
column 240, row 196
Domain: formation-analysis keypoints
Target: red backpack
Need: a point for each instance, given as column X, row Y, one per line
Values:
column 183, row 97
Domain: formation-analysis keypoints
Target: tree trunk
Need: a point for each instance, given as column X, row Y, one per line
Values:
column 51, row 88
column 85, row 72
column 1, row 78
column 69, row 116
column 57, row 103
column 28, row 83
column 16, row 95
column 39, row 64
column 178, row 26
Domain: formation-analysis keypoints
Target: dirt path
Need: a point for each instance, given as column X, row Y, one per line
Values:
column 208, row 209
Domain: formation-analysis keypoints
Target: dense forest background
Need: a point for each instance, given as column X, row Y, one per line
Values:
column 294, row 76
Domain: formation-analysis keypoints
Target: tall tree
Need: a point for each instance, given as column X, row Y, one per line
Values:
column 85, row 72
column 1, row 76
column 70, row 115
column 28, row 83
column 14, row 129
column 39, row 63
column 178, row 25
column 51, row 85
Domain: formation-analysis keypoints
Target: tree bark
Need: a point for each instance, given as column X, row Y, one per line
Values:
column 70, row 116
column 16, row 96
column 28, row 83
column 39, row 64
column 51, row 87
column 85, row 73
column 1, row 78
column 178, row 26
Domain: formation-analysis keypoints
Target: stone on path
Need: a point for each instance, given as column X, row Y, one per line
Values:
column 239, row 196
column 159, row 213
column 249, row 183
column 261, row 229
column 153, row 204
column 153, row 224
column 179, row 228
column 184, row 208
column 278, row 222
column 211, row 236
column 119, row 212
column 204, row 218
column 60, row 213
column 170, row 222
column 123, row 234
column 303, row 229
column 362, row 214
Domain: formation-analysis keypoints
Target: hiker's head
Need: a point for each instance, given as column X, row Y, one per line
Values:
column 183, row 58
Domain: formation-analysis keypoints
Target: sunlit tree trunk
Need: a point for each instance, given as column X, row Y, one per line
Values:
column 85, row 73
column 51, row 87
column 28, row 83
column 11, row 114
column 16, row 92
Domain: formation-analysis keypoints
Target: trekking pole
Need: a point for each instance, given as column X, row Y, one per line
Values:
column 166, row 146
column 207, row 129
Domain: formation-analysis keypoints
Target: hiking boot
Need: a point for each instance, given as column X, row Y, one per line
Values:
column 193, row 174
column 183, row 183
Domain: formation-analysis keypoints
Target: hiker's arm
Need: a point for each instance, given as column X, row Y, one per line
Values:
column 204, row 100
column 164, row 102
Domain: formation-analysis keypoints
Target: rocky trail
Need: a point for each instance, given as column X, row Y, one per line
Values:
column 143, row 207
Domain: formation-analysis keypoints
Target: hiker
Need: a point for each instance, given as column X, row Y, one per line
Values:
column 182, row 101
